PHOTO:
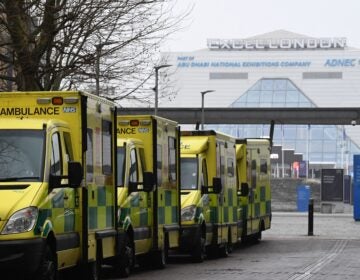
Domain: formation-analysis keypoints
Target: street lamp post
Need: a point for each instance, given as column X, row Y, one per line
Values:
column 156, row 88
column 202, row 107
column 97, row 63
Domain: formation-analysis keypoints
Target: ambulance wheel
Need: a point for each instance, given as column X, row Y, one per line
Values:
column 212, row 251
column 199, row 252
column 224, row 250
column 258, row 236
column 48, row 266
column 160, row 256
column 93, row 270
column 230, row 244
column 127, row 258
column 244, row 237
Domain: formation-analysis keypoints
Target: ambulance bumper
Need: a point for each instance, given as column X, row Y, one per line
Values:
column 21, row 255
column 188, row 236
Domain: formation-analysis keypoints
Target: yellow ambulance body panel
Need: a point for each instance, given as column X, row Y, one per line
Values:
column 57, row 183
column 148, row 185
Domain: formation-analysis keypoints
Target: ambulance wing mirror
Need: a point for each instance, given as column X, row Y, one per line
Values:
column 244, row 191
column 54, row 181
column 217, row 187
column 75, row 174
column 148, row 181
column 74, row 178
column 146, row 186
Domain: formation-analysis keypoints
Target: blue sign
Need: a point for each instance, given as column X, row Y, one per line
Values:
column 303, row 197
column 357, row 187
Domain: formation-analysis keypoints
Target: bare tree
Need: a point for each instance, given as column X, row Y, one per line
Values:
column 76, row 44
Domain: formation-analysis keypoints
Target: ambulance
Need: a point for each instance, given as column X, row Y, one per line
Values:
column 209, row 210
column 253, row 175
column 57, row 183
column 148, row 188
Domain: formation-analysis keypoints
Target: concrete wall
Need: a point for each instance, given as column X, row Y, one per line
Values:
column 284, row 196
column 284, row 193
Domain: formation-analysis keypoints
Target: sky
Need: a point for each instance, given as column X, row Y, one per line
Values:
column 237, row 19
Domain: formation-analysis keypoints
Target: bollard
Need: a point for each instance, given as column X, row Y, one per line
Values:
column 311, row 218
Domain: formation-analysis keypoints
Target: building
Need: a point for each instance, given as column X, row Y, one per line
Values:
column 277, row 69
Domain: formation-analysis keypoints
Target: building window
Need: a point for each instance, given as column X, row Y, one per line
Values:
column 319, row 142
column 322, row 75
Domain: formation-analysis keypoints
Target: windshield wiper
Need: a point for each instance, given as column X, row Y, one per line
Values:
column 16, row 179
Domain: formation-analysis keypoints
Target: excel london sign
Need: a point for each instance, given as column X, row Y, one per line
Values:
column 276, row 44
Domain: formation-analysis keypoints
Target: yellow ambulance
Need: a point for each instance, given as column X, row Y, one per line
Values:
column 148, row 188
column 57, row 183
column 253, row 173
column 209, row 211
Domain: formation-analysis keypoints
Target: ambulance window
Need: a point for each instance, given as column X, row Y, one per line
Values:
column 253, row 173
column 68, row 146
column 248, row 171
column 89, row 153
column 142, row 159
column 189, row 172
column 217, row 159
column 204, row 175
column 159, row 164
column 222, row 170
column 172, row 159
column 120, row 166
column 133, row 166
column 21, row 154
column 106, row 147
column 263, row 166
column 56, row 164
column 220, row 162
column 230, row 167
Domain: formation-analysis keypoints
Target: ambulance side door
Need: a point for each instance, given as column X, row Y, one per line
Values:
column 63, row 198
column 139, row 201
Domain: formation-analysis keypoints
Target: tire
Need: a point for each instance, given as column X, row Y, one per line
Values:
column 160, row 257
column 48, row 266
column 258, row 235
column 93, row 270
column 224, row 250
column 127, row 258
column 199, row 252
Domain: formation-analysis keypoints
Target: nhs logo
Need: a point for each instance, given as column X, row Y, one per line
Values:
column 69, row 109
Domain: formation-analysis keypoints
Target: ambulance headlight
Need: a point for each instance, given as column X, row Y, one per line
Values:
column 21, row 221
column 188, row 213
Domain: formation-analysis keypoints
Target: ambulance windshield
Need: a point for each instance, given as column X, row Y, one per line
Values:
column 21, row 155
column 120, row 166
column 189, row 169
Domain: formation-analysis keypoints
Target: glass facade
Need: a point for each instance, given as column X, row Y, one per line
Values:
column 273, row 93
column 318, row 144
